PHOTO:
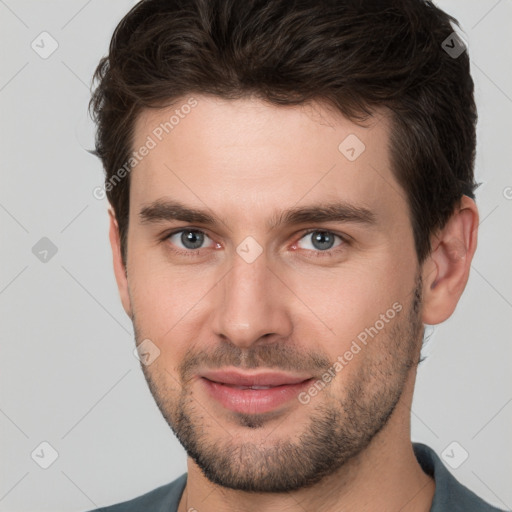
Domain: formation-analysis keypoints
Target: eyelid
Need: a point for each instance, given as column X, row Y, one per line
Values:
column 344, row 237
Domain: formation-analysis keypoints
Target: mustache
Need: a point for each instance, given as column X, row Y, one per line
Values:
column 270, row 356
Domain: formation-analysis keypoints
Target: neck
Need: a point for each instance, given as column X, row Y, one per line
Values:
column 385, row 476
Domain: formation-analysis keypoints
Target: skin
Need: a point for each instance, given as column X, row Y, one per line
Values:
column 295, row 306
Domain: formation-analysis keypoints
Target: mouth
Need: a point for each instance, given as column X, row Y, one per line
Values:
column 253, row 393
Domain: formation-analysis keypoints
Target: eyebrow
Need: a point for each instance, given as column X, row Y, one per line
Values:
column 163, row 210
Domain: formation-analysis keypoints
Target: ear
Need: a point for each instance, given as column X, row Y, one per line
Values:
column 446, row 271
column 119, row 268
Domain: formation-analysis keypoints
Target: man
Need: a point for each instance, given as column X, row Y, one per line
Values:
column 291, row 189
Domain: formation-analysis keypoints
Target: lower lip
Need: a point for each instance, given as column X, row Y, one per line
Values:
column 253, row 401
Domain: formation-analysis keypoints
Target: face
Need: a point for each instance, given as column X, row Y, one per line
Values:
column 273, row 272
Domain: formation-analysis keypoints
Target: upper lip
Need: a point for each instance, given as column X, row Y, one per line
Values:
column 235, row 378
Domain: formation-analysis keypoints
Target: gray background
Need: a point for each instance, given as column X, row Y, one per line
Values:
column 68, row 373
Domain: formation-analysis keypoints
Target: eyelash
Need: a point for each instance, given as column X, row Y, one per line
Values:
column 315, row 254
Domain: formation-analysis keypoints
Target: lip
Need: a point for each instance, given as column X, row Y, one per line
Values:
column 232, row 389
column 236, row 378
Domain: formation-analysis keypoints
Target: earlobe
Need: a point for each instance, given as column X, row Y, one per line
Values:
column 119, row 268
column 446, row 270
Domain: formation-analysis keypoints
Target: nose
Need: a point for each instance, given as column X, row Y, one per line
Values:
column 252, row 304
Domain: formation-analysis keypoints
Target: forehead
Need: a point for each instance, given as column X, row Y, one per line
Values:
column 248, row 155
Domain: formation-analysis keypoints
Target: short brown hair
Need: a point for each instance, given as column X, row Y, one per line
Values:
column 356, row 55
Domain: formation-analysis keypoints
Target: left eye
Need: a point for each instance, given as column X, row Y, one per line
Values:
column 320, row 240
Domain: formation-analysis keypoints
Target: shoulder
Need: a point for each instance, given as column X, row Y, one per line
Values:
column 165, row 498
column 450, row 495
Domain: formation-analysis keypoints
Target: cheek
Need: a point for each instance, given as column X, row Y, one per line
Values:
column 367, row 314
column 165, row 299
